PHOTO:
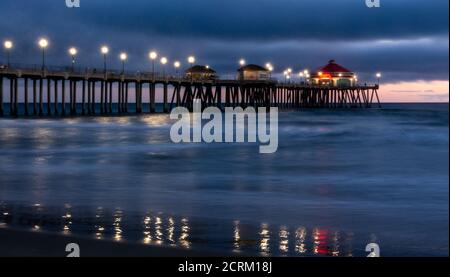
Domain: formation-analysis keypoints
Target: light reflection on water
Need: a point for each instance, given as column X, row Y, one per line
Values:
column 167, row 230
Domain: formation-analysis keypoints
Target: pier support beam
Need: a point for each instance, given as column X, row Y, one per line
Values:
column 1, row 96
column 26, row 96
column 56, row 103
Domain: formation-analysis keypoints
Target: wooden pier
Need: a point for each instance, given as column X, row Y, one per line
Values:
column 65, row 91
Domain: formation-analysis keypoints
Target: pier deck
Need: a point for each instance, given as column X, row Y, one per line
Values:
column 59, row 91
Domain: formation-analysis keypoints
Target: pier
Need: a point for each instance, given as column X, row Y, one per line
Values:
column 63, row 91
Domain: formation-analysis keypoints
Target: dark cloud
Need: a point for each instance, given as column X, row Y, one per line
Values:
column 406, row 39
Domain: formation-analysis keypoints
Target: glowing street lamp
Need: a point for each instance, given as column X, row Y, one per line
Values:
column 289, row 70
column 269, row 67
column 191, row 61
column 177, row 66
column 153, row 56
column 43, row 44
column 123, row 57
column 164, row 62
column 242, row 62
column 378, row 75
column 73, row 52
column 104, row 50
column 8, row 46
column 301, row 75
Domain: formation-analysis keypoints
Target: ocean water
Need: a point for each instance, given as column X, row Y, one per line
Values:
column 340, row 179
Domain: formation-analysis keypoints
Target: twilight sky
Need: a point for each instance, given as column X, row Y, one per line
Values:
column 407, row 40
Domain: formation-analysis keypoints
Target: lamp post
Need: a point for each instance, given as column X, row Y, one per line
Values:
column 105, row 51
column 123, row 57
column 164, row 62
column 177, row 65
column 8, row 46
column 43, row 44
column 378, row 75
column 191, row 61
column 153, row 56
column 73, row 52
column 269, row 67
column 242, row 62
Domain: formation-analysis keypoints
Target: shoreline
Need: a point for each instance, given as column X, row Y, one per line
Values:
column 22, row 243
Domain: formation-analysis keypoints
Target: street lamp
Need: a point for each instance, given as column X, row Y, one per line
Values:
column 123, row 57
column 105, row 51
column 177, row 65
column 43, row 44
column 8, row 46
column 242, row 62
column 73, row 52
column 301, row 75
column 191, row 60
column 153, row 56
column 378, row 77
column 164, row 62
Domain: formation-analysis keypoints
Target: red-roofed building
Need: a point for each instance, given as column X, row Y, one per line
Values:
column 333, row 74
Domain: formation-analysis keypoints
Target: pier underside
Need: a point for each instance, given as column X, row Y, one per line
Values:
column 58, row 93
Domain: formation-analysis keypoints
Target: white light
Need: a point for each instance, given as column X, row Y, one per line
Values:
column 320, row 73
column 268, row 65
column 207, row 66
column 123, row 56
column 8, row 44
column 177, row 64
column 153, row 55
column 191, row 59
column 289, row 70
column 242, row 62
column 43, row 43
column 301, row 74
column 378, row 75
column 104, row 50
column 73, row 51
column 271, row 68
column 340, row 74
column 288, row 77
column 306, row 71
column 163, row 60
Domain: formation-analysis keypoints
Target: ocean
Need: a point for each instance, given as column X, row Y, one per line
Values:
column 340, row 179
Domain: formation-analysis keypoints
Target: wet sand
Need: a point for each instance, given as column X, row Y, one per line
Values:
column 19, row 243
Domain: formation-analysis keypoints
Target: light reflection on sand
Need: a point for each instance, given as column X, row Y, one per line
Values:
column 167, row 230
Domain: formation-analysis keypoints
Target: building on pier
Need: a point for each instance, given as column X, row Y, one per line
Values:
column 253, row 72
column 201, row 72
column 333, row 74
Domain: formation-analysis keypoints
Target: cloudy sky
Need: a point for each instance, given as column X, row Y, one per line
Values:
column 407, row 40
